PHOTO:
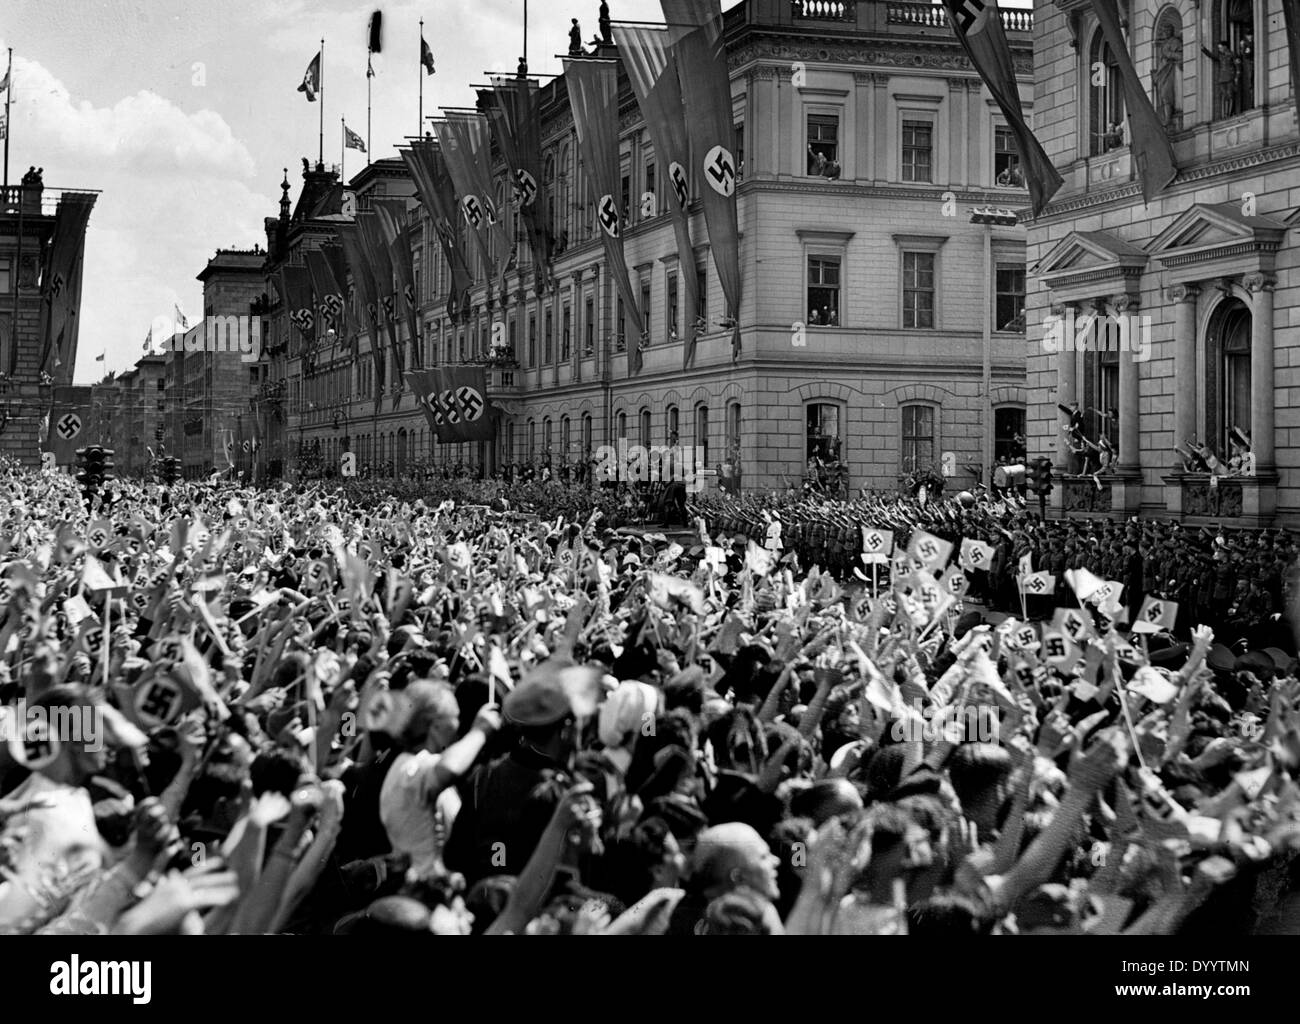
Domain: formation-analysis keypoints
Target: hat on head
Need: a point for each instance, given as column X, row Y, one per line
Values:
column 1220, row 658
column 1280, row 658
column 537, row 702
column 1257, row 662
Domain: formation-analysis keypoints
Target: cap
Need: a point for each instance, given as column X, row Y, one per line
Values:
column 1256, row 662
column 1280, row 658
column 535, row 702
column 1220, row 658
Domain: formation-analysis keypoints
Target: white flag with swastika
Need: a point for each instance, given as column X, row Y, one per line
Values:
column 1156, row 615
column 931, row 551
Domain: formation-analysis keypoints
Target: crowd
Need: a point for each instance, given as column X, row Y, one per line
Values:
column 344, row 710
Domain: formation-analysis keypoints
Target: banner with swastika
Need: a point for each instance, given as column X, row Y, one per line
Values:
column 455, row 402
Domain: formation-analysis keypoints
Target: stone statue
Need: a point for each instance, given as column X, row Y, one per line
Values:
column 606, row 35
column 575, row 39
column 1169, row 59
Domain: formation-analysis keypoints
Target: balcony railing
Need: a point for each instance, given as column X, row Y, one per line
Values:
column 42, row 201
column 1202, row 499
column 1081, row 494
column 825, row 10
column 935, row 16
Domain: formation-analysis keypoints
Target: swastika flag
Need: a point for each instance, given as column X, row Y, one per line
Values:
column 1156, row 615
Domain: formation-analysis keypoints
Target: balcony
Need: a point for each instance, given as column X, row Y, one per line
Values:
column 1220, row 500
column 893, row 17
column 1081, row 494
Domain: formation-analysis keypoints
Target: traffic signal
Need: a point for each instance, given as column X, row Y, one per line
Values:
column 1040, row 476
column 171, row 469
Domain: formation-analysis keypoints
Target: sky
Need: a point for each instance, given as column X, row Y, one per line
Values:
column 184, row 113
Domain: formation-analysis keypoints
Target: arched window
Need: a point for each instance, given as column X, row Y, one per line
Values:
column 918, row 435
column 565, row 438
column 586, row 434
column 622, row 426
column 547, row 439
column 1105, row 98
column 1009, row 433
column 564, row 199
column 644, row 439
column 824, row 438
column 672, row 425
column 1228, row 366
column 702, row 433
column 532, row 440
column 733, row 425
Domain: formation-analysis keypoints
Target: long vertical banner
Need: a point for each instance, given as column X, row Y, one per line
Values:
column 659, row 95
column 61, row 286
column 701, row 57
column 477, row 210
column 433, row 184
column 467, row 143
column 516, row 122
column 396, row 225
column 364, row 291
column 375, row 246
column 593, row 95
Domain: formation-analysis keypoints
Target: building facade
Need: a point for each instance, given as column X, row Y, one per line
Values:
column 880, row 326
column 1199, row 290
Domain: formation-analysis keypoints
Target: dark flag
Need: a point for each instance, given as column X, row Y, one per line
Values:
column 329, row 295
column 364, row 291
column 659, row 95
column 516, row 126
column 473, row 140
column 426, row 57
column 311, row 80
column 701, row 58
column 352, row 140
column 375, row 33
column 472, row 208
column 437, row 195
column 61, row 287
column 1151, row 149
column 593, row 94
column 378, row 254
column 396, row 225
column 978, row 26
column 455, row 401
column 338, row 267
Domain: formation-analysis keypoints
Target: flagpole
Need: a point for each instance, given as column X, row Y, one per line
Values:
column 370, row 74
column 419, row 71
column 320, row 157
column 9, row 91
column 343, row 149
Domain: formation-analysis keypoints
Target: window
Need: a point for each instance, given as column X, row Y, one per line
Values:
column 824, row 291
column 532, row 440
column 6, row 284
column 823, row 144
column 645, row 429
column 586, row 434
column 626, row 199
column 566, row 335
column 162, row 384
column 645, row 311
column 823, row 436
column 672, row 424
column 1228, row 342
column 512, row 336
column 1009, row 433
column 918, row 151
column 564, row 437
column 740, row 150
column 548, row 339
column 1006, row 158
column 532, row 339
column 460, row 344
column 702, row 433
column 918, row 289
column 622, row 426
column 918, row 438
column 702, row 306
column 547, row 439
column 620, row 343
column 1105, row 98
column 672, row 307
column 589, row 329
column 1009, row 302
column 1232, row 65
column 650, row 186
column 733, row 425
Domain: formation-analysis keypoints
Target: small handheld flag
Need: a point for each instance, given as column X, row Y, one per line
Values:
column 311, row 80
column 1156, row 615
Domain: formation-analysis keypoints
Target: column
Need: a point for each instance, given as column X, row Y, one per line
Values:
column 1067, row 376
column 1261, row 287
column 1130, row 440
column 1183, row 296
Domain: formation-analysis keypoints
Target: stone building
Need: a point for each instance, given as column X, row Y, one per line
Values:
column 1198, row 291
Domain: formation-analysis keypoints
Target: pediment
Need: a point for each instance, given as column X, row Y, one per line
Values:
column 1208, row 232
column 1085, row 264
